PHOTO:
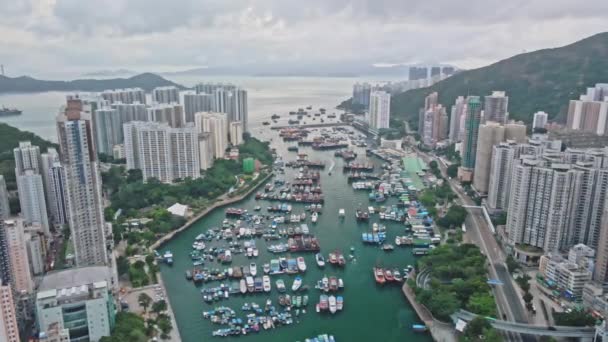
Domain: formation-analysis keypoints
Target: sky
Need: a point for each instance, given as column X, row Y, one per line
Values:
column 55, row 37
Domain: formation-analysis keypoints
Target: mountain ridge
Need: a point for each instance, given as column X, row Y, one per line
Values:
column 28, row 84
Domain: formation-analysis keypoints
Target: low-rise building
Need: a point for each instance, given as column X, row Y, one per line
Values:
column 567, row 276
column 75, row 303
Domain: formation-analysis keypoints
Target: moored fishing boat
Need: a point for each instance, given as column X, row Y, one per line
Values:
column 332, row 304
column 388, row 275
column 397, row 275
column 339, row 303
column 297, row 283
column 250, row 284
column 266, row 283
column 266, row 268
column 243, row 286
column 280, row 285
column 419, row 327
column 379, row 275
column 301, row 264
column 314, row 217
column 253, row 269
column 320, row 260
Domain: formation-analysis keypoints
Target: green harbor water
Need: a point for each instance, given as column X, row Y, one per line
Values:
column 371, row 312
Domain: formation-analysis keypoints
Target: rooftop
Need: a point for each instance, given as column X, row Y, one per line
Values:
column 75, row 277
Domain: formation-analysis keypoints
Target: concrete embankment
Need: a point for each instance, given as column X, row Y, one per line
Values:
column 224, row 200
column 442, row 332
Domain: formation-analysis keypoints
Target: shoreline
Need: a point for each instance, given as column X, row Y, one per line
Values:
column 169, row 236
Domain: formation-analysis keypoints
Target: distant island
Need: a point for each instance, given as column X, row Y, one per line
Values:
column 26, row 84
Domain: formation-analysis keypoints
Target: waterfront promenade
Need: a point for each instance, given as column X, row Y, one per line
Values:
column 221, row 201
column 441, row 332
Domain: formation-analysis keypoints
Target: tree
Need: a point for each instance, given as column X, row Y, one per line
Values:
column 575, row 318
column 122, row 265
column 165, row 326
column 144, row 301
column 479, row 329
column 482, row 304
column 512, row 264
column 134, row 175
column 129, row 327
column 159, row 306
column 528, row 298
column 453, row 170
column 524, row 282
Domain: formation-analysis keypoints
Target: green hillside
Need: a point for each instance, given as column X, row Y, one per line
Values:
column 540, row 80
column 11, row 137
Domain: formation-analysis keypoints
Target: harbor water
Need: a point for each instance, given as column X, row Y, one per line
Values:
column 371, row 312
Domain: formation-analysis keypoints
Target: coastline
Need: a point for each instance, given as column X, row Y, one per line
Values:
column 226, row 201
column 440, row 331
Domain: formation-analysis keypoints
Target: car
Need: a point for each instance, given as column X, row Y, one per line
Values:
column 552, row 328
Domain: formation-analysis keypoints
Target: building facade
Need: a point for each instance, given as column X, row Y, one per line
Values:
column 540, row 120
column 170, row 113
column 169, row 94
column 19, row 261
column 84, row 197
column 162, row 152
column 216, row 124
column 495, row 107
column 129, row 95
column 490, row 134
column 590, row 112
column 5, row 210
column 27, row 157
column 471, row 129
column 194, row 103
column 236, row 133
column 9, row 330
column 456, row 116
column 32, row 199
column 379, row 110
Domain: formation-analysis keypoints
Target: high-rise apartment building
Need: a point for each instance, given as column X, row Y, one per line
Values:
column 161, row 151
column 5, row 210
column 237, row 107
column 205, row 148
column 471, row 129
column 236, row 133
column 228, row 99
column 490, row 134
column 169, row 94
column 35, row 243
column 171, row 113
column 495, row 107
column 194, row 103
column 600, row 273
column 49, row 158
column 129, row 95
column 379, row 110
column 57, row 193
column 541, row 204
column 216, row 125
column 107, row 125
column 9, row 330
column 435, row 127
column 27, row 157
column 456, row 117
column 75, row 303
column 32, row 199
column 590, row 112
column 361, row 94
column 19, row 261
column 540, row 120
column 128, row 112
column 84, row 196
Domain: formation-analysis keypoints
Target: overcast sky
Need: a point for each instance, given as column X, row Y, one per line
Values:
column 39, row 37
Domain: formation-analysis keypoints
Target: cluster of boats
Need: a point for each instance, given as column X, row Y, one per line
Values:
column 359, row 167
column 346, row 155
column 293, row 301
column 330, row 303
column 330, row 284
column 285, row 265
column 387, row 275
column 321, row 338
column 255, row 320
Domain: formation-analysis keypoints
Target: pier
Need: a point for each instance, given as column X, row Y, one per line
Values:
column 442, row 332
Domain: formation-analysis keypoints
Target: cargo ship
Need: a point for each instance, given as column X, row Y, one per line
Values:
column 4, row 111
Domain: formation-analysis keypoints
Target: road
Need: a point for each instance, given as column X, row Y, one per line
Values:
column 508, row 300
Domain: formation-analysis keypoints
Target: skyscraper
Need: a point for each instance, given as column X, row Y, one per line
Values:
column 32, row 199
column 107, row 126
column 541, row 204
column 128, row 112
column 9, row 330
column 17, row 250
column 27, row 157
column 194, row 103
column 490, row 134
column 216, row 125
column 236, row 133
column 361, row 94
column 540, row 120
column 57, row 194
column 379, row 110
column 435, row 125
column 84, row 196
column 458, row 111
column 171, row 113
column 472, row 121
column 48, row 160
column 205, row 148
column 228, row 99
column 237, row 107
column 129, row 95
column 5, row 210
column 495, row 107
column 169, row 94
column 162, row 152
column 590, row 112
